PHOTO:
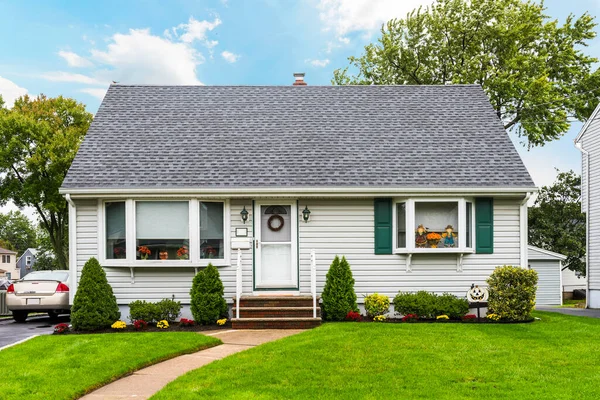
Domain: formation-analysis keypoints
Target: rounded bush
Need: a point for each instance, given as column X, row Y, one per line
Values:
column 94, row 306
column 430, row 305
column 208, row 304
column 377, row 304
column 512, row 292
column 338, row 294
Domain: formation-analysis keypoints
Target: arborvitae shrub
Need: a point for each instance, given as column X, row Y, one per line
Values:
column 512, row 292
column 95, row 306
column 208, row 304
column 338, row 294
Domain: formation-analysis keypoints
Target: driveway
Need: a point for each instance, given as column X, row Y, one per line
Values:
column 580, row 312
column 11, row 332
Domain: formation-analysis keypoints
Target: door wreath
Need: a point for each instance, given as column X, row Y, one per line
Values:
column 273, row 218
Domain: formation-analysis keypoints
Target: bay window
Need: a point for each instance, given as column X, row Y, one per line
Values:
column 432, row 225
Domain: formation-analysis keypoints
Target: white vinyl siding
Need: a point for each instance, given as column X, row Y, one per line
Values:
column 549, row 291
column 591, row 144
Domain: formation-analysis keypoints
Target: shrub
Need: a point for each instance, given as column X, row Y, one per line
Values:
column 338, row 294
column 410, row 318
column 429, row 305
column 168, row 309
column 61, row 328
column 208, row 304
column 186, row 322
column 512, row 292
column 119, row 325
column 95, row 306
column 143, row 310
column 162, row 324
column 377, row 304
column 140, row 324
column 353, row 316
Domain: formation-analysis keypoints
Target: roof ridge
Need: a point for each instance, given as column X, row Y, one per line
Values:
column 291, row 86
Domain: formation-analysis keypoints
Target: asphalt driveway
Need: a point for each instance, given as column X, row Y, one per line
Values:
column 580, row 312
column 11, row 332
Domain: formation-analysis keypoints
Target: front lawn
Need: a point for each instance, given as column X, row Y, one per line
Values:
column 66, row 367
column 437, row 361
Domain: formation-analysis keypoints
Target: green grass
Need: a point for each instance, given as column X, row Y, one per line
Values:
column 573, row 304
column 66, row 367
column 410, row 361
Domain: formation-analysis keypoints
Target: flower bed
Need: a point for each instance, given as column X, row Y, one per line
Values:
column 142, row 326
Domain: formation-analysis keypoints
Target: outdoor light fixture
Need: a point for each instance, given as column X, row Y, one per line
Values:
column 244, row 214
column 306, row 214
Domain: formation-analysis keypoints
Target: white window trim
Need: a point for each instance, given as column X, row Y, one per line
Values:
column 194, row 260
column 410, row 222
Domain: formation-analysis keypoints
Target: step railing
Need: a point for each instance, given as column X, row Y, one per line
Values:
column 313, row 280
column 238, row 283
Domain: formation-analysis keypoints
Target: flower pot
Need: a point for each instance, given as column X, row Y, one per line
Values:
column 163, row 255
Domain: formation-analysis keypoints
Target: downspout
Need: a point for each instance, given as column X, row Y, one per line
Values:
column 523, row 230
column 72, row 247
column 587, row 221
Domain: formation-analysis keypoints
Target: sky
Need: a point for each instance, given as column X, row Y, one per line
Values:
column 76, row 48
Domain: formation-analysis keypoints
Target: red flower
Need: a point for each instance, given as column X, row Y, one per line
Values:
column 186, row 322
column 353, row 316
column 410, row 318
column 469, row 317
column 61, row 328
column 140, row 324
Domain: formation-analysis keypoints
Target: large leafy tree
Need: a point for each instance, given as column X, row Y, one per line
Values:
column 18, row 230
column 533, row 69
column 556, row 222
column 38, row 141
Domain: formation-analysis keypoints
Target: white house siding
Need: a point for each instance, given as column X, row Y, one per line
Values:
column 570, row 281
column 591, row 144
column 346, row 227
column 548, row 267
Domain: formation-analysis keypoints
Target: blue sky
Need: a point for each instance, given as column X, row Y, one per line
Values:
column 75, row 48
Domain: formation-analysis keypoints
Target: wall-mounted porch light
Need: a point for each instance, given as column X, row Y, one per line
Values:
column 306, row 214
column 244, row 214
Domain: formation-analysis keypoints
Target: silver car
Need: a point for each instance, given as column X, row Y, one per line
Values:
column 39, row 291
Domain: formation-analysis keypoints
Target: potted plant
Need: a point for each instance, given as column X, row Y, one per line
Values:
column 144, row 252
column 433, row 239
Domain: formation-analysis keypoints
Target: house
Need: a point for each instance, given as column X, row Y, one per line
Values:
column 572, row 281
column 588, row 142
column 270, row 183
column 26, row 261
column 8, row 262
column 549, row 268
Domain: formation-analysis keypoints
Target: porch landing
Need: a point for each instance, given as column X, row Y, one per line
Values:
column 276, row 312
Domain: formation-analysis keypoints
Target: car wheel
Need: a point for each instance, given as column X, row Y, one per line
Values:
column 53, row 315
column 20, row 316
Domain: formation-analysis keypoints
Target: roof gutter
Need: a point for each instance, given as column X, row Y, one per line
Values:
column 295, row 191
column 579, row 147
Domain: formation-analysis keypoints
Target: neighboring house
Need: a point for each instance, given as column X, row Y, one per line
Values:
column 572, row 280
column 588, row 142
column 549, row 267
column 26, row 261
column 281, row 171
column 8, row 264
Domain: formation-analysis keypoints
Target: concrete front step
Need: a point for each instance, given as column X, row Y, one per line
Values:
column 277, row 312
column 275, row 301
column 275, row 323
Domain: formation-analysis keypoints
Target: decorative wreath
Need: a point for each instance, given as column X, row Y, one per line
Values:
column 270, row 222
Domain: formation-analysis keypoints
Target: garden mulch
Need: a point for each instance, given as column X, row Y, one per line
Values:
column 144, row 383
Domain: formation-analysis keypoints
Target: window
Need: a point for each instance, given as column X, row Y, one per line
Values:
column 116, row 244
column 434, row 225
column 162, row 230
column 6, row 258
column 401, row 225
column 28, row 260
column 212, row 243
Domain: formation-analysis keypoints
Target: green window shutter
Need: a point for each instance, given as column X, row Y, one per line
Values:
column 484, row 225
column 383, row 226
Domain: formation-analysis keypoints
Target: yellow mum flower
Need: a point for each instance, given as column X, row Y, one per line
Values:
column 379, row 318
column 221, row 321
column 442, row 317
column 119, row 325
column 162, row 324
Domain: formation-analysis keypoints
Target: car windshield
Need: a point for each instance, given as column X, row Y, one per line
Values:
column 46, row 276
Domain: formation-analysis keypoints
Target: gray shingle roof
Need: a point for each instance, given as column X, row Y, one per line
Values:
column 285, row 136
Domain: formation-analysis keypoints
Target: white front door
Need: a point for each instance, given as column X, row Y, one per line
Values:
column 276, row 259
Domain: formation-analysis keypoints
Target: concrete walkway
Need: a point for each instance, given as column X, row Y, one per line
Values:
column 579, row 312
column 145, row 382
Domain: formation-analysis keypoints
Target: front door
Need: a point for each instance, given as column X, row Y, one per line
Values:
column 276, row 245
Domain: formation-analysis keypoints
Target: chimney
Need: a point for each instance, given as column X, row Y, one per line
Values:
column 299, row 79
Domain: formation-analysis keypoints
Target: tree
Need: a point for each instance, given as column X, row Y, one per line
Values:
column 38, row 141
column 5, row 244
column 556, row 222
column 338, row 295
column 207, row 301
column 94, row 306
column 44, row 259
column 533, row 70
column 18, row 230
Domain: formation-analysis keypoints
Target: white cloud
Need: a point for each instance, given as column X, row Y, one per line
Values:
column 75, row 60
column 96, row 92
column 61, row 76
column 140, row 57
column 196, row 30
column 344, row 16
column 230, row 57
column 318, row 63
column 10, row 91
